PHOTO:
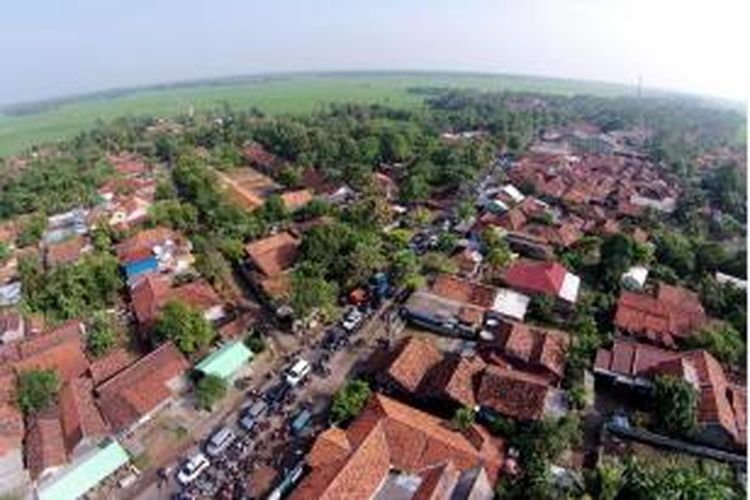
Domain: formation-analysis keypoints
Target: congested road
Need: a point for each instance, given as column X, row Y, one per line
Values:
column 273, row 442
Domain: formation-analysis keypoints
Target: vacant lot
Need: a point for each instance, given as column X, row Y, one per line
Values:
column 283, row 94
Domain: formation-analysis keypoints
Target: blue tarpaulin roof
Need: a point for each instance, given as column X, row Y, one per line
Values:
column 141, row 266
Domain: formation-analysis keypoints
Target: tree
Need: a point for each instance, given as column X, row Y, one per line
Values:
column 643, row 481
column 4, row 252
column 463, row 418
column 36, row 390
column 101, row 336
column 209, row 390
column 274, row 210
column 616, row 257
column 185, row 326
column 312, row 292
column 32, row 230
column 676, row 405
column 414, row 189
column 350, row 400
column 435, row 262
column 722, row 341
column 675, row 251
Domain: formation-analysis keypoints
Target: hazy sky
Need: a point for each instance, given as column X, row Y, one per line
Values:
column 59, row 47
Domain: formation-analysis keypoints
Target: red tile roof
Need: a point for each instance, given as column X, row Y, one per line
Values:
column 411, row 361
column 535, row 276
column 60, row 349
column 256, row 154
column 513, row 393
column 128, row 164
column 139, row 389
column 538, row 350
column 153, row 292
column 720, row 402
column 674, row 312
column 110, row 364
column 66, row 252
column 273, row 254
column 80, row 417
column 390, row 435
column 294, row 200
column 11, row 419
column 44, row 443
column 468, row 292
column 140, row 245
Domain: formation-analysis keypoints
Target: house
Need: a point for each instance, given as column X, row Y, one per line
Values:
column 549, row 279
column 65, row 225
column 395, row 451
column 153, row 292
column 258, row 157
column 110, row 364
column 671, row 314
column 529, row 245
column 82, row 476
column 12, row 326
column 451, row 305
column 634, row 278
column 246, row 187
column 518, row 395
column 511, row 304
column 133, row 395
column 226, row 361
column 129, row 211
column 270, row 260
column 273, row 254
column 65, row 252
column 44, row 444
column 294, row 200
column 533, row 349
column 416, row 369
column 722, row 417
column 13, row 475
column 158, row 249
column 82, row 424
column 60, row 349
column 128, row 165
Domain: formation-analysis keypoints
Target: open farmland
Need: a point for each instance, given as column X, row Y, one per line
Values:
column 279, row 94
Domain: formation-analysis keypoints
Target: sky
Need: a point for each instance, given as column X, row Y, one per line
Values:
column 51, row 48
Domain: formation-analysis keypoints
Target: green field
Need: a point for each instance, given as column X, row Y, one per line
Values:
column 281, row 94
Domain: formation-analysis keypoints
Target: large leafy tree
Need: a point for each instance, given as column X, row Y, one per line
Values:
column 185, row 326
column 676, row 405
column 349, row 401
column 311, row 292
column 209, row 390
column 36, row 390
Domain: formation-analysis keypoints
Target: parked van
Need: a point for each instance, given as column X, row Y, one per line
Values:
column 219, row 441
column 297, row 372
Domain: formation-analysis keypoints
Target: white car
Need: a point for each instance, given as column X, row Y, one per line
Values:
column 297, row 372
column 219, row 441
column 192, row 468
column 352, row 320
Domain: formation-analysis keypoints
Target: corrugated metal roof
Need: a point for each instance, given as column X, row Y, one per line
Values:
column 76, row 480
column 225, row 361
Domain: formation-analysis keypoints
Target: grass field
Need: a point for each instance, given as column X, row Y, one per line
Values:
column 280, row 94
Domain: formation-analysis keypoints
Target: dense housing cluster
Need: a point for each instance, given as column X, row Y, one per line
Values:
column 499, row 294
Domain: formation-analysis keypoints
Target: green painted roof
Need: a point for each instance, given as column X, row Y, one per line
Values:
column 225, row 361
column 75, row 481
